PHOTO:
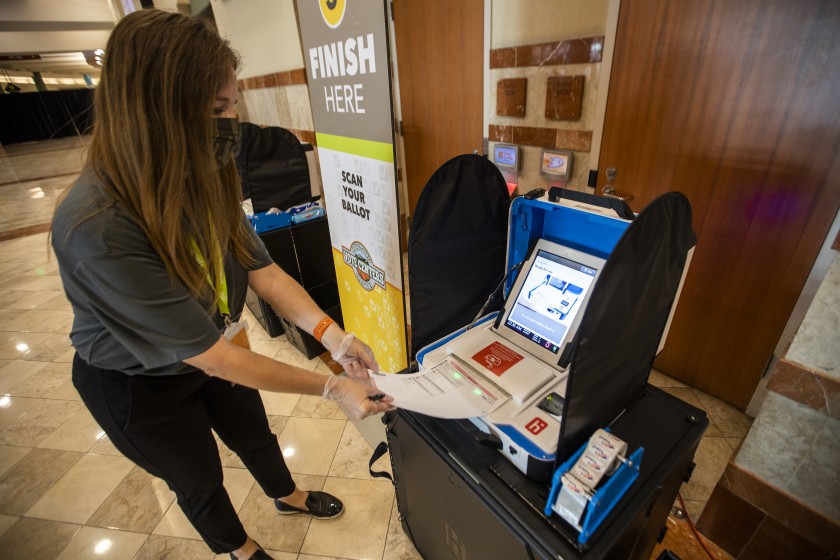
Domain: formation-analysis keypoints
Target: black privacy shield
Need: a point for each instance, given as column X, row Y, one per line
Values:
column 456, row 250
column 276, row 170
column 246, row 132
column 619, row 335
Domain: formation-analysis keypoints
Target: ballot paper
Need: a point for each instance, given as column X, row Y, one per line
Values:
column 446, row 390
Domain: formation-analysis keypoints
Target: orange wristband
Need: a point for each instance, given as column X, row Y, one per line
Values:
column 321, row 328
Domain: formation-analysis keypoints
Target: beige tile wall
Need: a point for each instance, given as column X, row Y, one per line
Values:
column 537, row 76
column 534, row 131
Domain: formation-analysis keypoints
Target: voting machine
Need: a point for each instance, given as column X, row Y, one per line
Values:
column 523, row 353
column 589, row 297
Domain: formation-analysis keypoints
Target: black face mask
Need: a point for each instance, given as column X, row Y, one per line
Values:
column 225, row 139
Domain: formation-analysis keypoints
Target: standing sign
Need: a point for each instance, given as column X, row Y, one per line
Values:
column 345, row 47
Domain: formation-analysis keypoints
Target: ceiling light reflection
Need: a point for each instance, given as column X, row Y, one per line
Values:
column 21, row 347
column 5, row 401
column 102, row 546
column 288, row 452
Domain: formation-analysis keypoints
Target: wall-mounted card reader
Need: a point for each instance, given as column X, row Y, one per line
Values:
column 508, row 158
column 556, row 166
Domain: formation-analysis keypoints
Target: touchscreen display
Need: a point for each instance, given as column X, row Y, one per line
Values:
column 550, row 298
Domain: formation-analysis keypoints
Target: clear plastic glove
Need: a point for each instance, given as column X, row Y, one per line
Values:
column 354, row 397
column 355, row 357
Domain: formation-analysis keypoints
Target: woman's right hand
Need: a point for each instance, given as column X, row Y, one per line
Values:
column 354, row 397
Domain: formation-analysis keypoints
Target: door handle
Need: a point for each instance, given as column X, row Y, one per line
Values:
column 612, row 194
column 609, row 191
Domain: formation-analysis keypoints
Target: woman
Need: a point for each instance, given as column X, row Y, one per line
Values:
column 155, row 256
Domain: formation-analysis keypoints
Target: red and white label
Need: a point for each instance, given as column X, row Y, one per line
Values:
column 497, row 358
column 536, row 425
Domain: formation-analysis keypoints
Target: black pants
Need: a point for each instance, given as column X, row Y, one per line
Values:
column 163, row 424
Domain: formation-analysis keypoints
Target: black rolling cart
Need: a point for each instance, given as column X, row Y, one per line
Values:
column 275, row 173
column 304, row 252
column 461, row 500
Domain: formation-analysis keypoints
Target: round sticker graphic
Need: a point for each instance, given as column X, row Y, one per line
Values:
column 363, row 258
column 332, row 11
column 555, row 162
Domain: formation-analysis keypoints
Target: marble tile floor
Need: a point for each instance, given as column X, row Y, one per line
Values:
column 65, row 492
column 32, row 175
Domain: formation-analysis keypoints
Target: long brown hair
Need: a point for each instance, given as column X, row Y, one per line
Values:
column 152, row 146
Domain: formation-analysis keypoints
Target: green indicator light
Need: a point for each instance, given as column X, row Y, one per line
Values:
column 456, row 375
column 477, row 391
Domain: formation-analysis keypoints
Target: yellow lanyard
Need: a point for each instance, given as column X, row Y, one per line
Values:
column 220, row 289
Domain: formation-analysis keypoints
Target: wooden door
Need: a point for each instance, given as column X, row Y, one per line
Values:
column 735, row 104
column 440, row 45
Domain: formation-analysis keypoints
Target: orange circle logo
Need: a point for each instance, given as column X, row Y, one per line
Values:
column 332, row 11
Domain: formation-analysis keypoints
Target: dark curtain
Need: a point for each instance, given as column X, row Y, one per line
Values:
column 26, row 117
column 628, row 310
column 276, row 169
column 456, row 249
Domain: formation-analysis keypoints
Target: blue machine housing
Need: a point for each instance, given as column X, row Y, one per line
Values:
column 578, row 227
column 264, row 222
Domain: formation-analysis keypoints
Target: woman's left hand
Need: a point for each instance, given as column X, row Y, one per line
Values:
column 355, row 356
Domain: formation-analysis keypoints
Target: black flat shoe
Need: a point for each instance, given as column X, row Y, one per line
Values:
column 258, row 555
column 319, row 505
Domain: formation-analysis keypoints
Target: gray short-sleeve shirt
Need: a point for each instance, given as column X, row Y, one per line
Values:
column 128, row 314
